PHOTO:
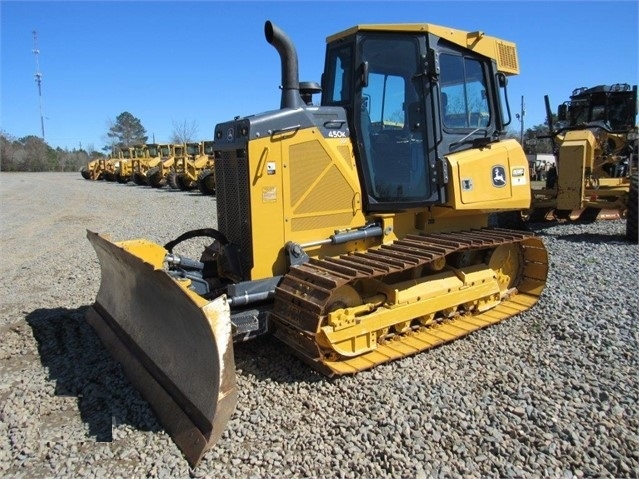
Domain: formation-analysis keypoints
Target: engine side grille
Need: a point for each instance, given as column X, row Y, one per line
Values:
column 233, row 204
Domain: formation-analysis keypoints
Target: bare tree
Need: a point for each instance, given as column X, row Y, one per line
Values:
column 184, row 132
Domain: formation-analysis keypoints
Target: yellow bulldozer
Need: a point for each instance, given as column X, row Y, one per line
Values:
column 595, row 142
column 355, row 231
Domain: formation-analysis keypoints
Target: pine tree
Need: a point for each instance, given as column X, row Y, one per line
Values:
column 127, row 131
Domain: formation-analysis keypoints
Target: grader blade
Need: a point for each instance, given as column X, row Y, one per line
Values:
column 175, row 347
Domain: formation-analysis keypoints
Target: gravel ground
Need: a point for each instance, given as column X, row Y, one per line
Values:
column 550, row 393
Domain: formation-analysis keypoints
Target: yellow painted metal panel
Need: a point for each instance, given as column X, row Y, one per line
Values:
column 495, row 177
column 503, row 52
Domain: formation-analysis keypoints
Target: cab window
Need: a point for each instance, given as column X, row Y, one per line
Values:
column 463, row 93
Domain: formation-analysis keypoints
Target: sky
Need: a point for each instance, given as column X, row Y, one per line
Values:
column 200, row 63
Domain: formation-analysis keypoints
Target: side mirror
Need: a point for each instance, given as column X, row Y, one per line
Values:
column 562, row 112
column 502, row 79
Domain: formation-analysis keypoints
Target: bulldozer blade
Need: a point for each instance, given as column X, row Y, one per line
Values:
column 175, row 347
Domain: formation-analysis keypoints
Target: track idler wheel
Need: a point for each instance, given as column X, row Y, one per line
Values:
column 506, row 261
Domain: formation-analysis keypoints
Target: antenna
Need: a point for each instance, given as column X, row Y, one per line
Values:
column 38, row 77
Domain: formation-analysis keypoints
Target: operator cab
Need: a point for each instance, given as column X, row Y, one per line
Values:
column 412, row 98
column 615, row 106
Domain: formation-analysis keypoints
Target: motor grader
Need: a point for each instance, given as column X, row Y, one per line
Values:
column 94, row 170
column 148, row 156
column 595, row 142
column 103, row 168
column 188, row 169
column 141, row 157
column 112, row 165
column 158, row 176
column 177, row 178
column 124, row 171
column 355, row 231
column 206, row 177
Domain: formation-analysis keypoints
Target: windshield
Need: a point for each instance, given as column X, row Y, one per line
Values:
column 209, row 148
column 193, row 149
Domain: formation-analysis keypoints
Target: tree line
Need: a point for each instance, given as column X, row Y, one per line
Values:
column 32, row 153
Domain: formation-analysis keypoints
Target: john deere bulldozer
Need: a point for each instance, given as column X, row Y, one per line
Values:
column 595, row 142
column 355, row 231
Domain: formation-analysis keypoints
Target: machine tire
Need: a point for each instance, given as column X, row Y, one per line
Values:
column 172, row 180
column 182, row 183
column 139, row 179
column 84, row 171
column 632, row 233
column 206, row 182
column 154, row 177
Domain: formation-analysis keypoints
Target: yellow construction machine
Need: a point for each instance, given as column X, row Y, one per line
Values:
column 595, row 142
column 355, row 231
column 147, row 162
column 124, row 170
column 158, row 175
column 206, row 176
column 94, row 170
column 140, row 163
column 103, row 168
column 189, row 168
column 112, row 165
column 177, row 176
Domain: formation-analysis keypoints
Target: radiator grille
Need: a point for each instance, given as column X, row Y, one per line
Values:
column 233, row 204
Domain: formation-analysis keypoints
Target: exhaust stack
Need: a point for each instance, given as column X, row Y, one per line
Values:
column 290, row 71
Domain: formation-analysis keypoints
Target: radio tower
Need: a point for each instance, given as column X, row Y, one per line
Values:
column 38, row 78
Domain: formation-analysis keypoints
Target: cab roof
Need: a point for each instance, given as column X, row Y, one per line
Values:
column 502, row 51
